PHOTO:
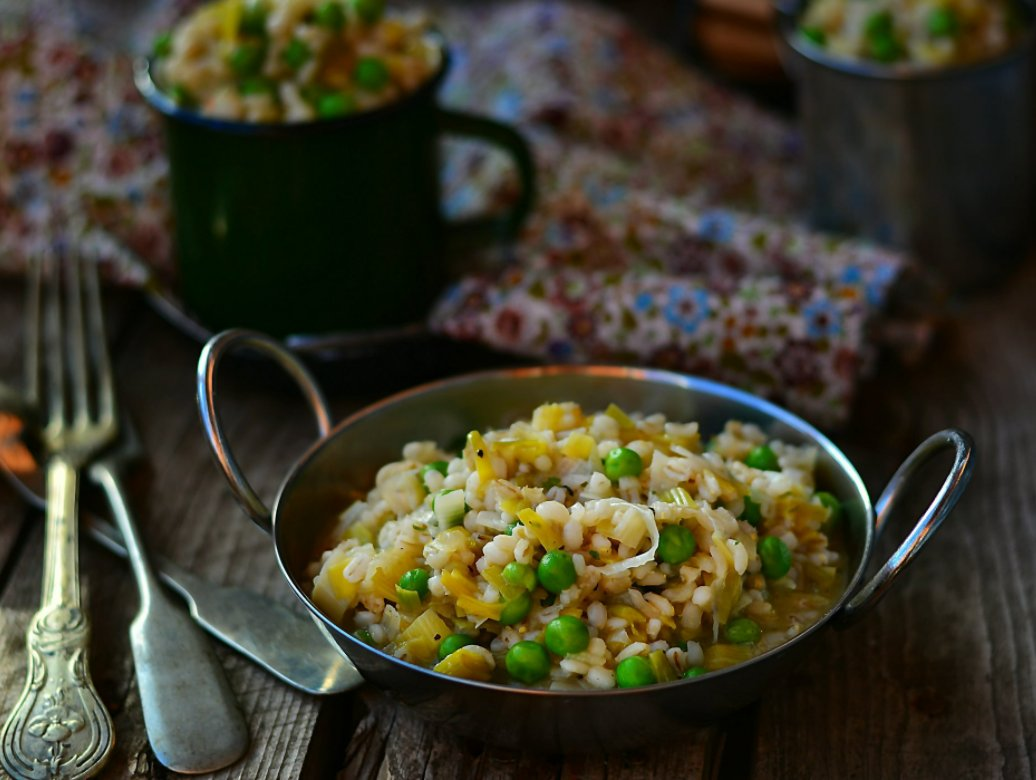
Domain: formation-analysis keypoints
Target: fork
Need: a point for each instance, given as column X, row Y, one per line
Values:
column 59, row 727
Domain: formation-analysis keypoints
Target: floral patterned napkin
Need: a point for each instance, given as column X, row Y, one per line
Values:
column 649, row 243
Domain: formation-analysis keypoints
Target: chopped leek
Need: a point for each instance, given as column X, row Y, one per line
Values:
column 649, row 521
column 481, row 453
column 664, row 671
column 620, row 416
column 449, row 507
column 547, row 533
column 677, row 495
column 470, row 662
column 410, row 600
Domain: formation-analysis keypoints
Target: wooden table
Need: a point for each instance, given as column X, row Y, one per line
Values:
column 940, row 681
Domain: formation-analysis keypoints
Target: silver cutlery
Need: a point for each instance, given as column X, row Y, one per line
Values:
column 59, row 727
column 286, row 643
column 192, row 720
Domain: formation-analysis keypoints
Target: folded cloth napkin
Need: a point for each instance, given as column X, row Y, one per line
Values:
column 648, row 244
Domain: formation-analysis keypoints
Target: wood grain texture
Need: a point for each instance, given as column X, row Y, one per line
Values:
column 188, row 515
column 939, row 680
column 390, row 743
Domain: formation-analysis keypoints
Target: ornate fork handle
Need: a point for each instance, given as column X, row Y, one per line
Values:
column 59, row 728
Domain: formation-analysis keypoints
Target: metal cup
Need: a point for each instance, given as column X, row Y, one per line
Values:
column 328, row 226
column 938, row 162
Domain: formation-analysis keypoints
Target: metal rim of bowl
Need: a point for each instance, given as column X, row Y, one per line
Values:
column 788, row 13
column 690, row 383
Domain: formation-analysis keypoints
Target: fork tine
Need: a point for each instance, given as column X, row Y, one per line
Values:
column 75, row 334
column 34, row 282
column 99, row 344
column 50, row 348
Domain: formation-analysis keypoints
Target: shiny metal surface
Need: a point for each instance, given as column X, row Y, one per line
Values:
column 59, row 727
column 211, row 355
column 949, row 494
column 942, row 162
column 320, row 484
column 193, row 721
column 289, row 645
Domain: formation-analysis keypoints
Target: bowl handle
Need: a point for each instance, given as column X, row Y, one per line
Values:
column 941, row 506
column 214, row 351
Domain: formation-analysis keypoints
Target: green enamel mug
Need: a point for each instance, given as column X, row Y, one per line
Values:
column 333, row 225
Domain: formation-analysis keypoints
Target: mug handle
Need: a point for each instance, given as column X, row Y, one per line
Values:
column 950, row 492
column 214, row 351
column 487, row 228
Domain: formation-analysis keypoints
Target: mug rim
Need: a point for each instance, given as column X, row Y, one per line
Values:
column 788, row 15
column 145, row 83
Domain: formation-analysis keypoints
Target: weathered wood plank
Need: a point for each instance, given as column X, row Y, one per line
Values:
column 941, row 679
column 390, row 743
column 188, row 515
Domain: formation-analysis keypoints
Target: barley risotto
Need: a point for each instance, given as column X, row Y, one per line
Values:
column 921, row 32
column 294, row 60
column 586, row 551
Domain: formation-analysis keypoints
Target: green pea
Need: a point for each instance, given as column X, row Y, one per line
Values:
column 566, row 635
column 520, row 575
column 371, row 74
column 695, row 671
column 253, row 20
column 676, row 544
column 296, row 54
column 415, row 580
column 884, row 49
column 527, row 662
column 633, row 672
column 763, row 458
column 257, row 85
column 752, row 513
column 743, row 631
column 556, row 571
column 814, row 34
column 335, row 104
column 512, row 526
column 369, row 11
column 776, row 557
column 364, row 636
column 834, row 507
column 622, row 462
column 247, row 58
column 162, row 46
column 181, row 96
column 436, row 465
column 516, row 609
column 879, row 31
column 551, row 482
column 878, row 24
column 330, row 15
column 943, row 23
column 453, row 643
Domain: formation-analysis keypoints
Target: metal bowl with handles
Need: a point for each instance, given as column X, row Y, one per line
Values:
column 346, row 458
